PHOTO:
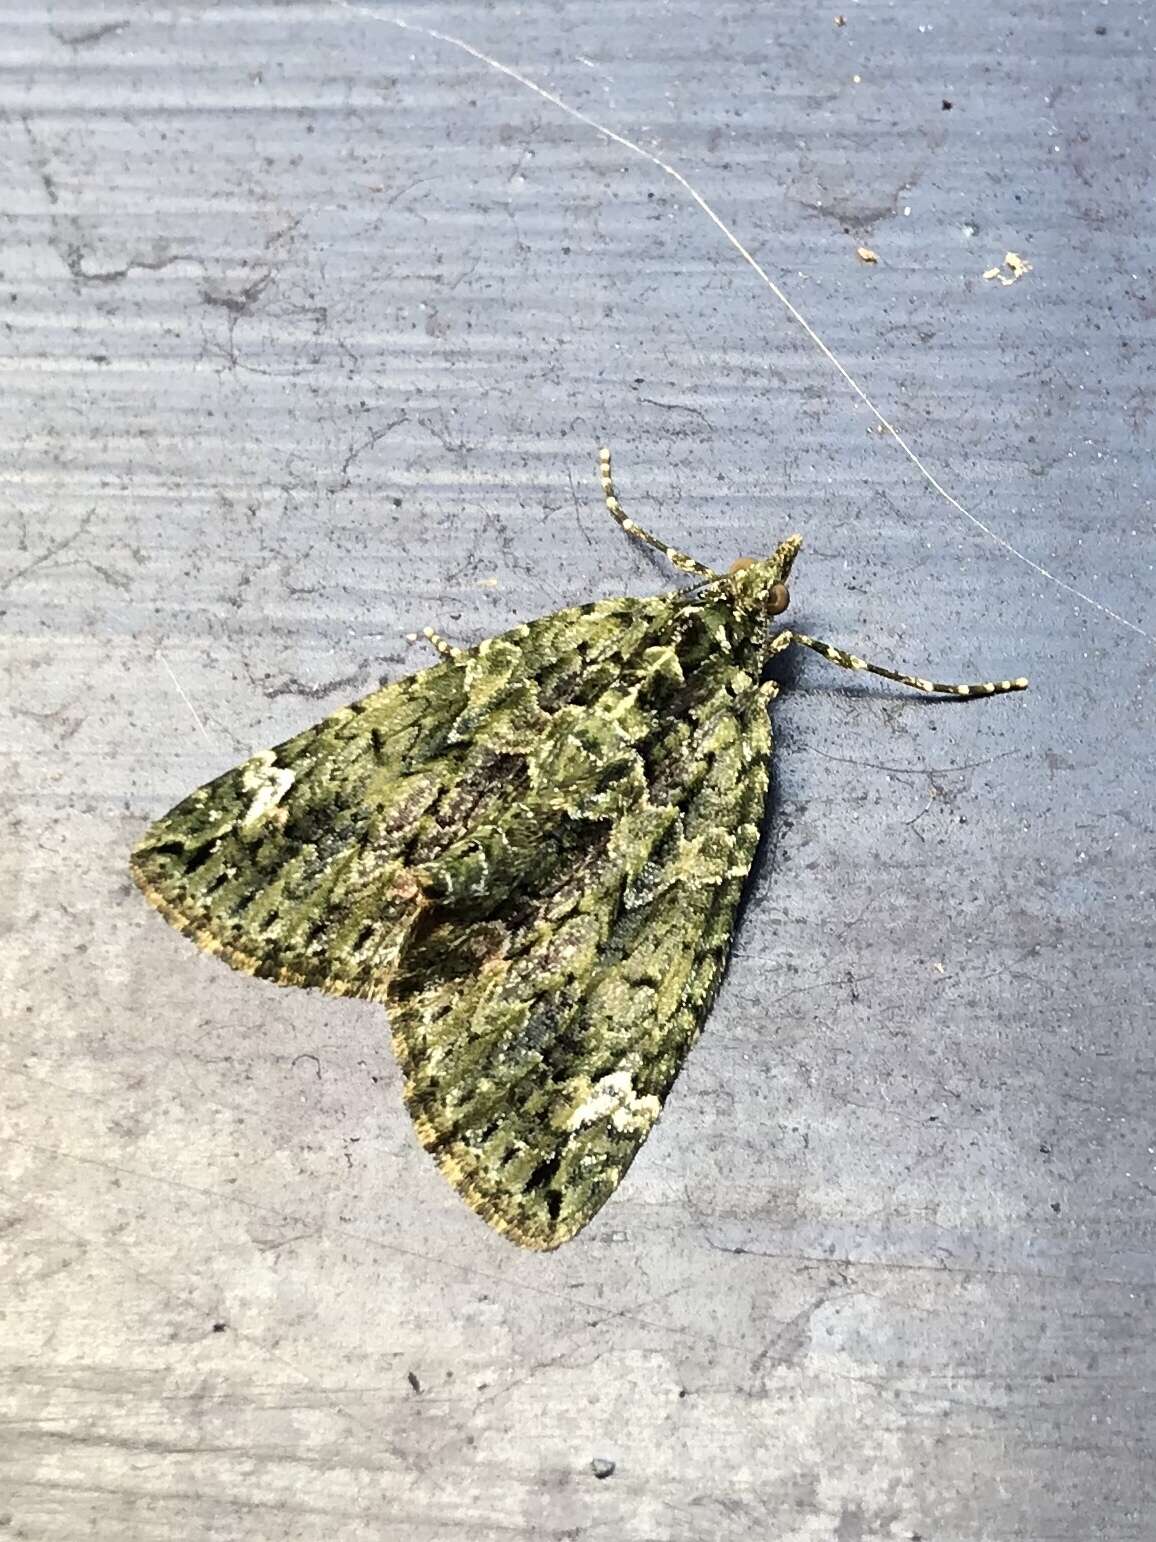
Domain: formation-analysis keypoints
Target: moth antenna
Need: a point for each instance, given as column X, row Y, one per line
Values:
column 446, row 649
column 916, row 682
column 676, row 558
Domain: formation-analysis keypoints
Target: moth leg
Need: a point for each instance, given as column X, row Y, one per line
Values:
column 849, row 661
column 447, row 650
column 676, row 558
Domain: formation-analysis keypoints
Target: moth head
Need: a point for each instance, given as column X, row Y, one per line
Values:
column 760, row 583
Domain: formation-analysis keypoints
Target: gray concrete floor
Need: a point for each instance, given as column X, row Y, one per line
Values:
column 312, row 328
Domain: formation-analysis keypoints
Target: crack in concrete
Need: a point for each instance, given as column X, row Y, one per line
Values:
column 375, row 435
column 88, row 35
column 73, row 257
column 50, row 552
column 241, row 301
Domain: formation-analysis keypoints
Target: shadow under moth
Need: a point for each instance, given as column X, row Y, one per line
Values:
column 532, row 854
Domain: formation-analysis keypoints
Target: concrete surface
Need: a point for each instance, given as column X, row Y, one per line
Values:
column 312, row 328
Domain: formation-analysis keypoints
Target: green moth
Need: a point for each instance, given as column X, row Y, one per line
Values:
column 531, row 853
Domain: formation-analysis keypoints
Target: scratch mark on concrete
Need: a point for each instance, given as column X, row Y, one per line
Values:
column 184, row 697
column 578, row 509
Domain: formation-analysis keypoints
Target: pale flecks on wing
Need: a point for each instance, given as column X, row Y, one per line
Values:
column 268, row 782
column 613, row 1097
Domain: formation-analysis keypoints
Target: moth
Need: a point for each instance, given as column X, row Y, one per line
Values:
column 531, row 853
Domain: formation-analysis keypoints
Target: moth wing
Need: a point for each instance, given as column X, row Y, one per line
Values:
column 287, row 866
column 297, row 865
column 540, row 1037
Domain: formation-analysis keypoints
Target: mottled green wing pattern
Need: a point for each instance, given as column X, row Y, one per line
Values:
column 532, row 853
column 291, row 865
column 539, row 1040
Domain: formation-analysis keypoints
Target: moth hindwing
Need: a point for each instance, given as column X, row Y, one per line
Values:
column 532, row 853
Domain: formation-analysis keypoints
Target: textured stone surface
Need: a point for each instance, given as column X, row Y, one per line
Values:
column 312, row 330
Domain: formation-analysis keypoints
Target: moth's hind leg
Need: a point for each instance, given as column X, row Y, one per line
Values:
column 437, row 642
column 676, row 558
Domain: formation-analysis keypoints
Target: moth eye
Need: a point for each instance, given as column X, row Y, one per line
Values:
column 778, row 599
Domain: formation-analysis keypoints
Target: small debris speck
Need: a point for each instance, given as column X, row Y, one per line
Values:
column 1016, row 268
column 947, row 106
column 219, row 1327
column 841, row 21
column 602, row 1466
column 865, row 254
column 411, row 1377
